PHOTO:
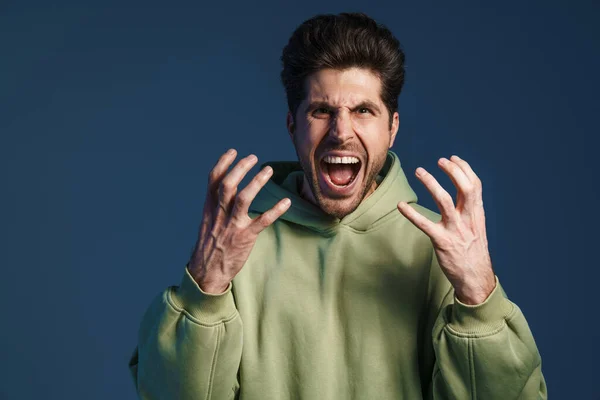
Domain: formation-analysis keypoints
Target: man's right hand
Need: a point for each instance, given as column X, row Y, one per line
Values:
column 227, row 233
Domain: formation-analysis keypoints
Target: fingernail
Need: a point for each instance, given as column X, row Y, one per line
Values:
column 287, row 202
column 420, row 171
column 455, row 156
column 252, row 158
column 230, row 151
column 268, row 170
column 443, row 160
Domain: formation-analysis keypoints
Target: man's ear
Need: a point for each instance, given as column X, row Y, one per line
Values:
column 290, row 124
column 394, row 129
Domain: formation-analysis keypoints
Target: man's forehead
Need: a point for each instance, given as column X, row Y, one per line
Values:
column 341, row 100
column 343, row 87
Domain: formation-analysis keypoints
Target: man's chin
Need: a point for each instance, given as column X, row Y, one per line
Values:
column 338, row 208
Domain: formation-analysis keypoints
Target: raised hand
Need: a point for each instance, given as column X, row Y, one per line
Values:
column 227, row 233
column 459, row 239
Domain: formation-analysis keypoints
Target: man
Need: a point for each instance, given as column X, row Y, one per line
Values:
column 323, row 278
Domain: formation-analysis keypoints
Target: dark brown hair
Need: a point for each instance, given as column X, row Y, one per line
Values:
column 342, row 41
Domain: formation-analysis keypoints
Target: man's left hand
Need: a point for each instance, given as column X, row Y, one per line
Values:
column 459, row 239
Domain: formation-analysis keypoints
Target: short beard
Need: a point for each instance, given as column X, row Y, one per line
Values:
column 332, row 206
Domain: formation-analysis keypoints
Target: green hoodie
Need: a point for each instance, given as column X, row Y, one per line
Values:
column 324, row 308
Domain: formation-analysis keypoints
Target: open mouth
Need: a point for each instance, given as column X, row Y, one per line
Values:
column 339, row 174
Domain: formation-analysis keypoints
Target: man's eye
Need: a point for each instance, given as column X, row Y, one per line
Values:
column 321, row 110
column 363, row 110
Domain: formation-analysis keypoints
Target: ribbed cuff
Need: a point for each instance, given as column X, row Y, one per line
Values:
column 481, row 318
column 207, row 308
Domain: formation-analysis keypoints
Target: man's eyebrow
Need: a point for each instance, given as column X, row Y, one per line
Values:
column 363, row 104
column 318, row 104
column 367, row 104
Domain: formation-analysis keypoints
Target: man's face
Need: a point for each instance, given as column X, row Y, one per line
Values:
column 341, row 134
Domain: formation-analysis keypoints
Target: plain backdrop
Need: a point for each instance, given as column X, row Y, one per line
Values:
column 112, row 114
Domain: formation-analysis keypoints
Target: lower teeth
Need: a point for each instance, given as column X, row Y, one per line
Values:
column 347, row 184
column 326, row 168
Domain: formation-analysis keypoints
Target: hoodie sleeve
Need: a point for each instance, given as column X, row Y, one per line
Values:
column 189, row 345
column 483, row 351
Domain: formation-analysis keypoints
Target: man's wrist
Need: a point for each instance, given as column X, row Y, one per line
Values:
column 208, row 286
column 213, row 288
column 477, row 292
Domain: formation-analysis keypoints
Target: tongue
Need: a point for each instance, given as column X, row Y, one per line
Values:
column 340, row 174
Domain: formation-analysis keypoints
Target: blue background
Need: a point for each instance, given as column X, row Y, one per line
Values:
column 112, row 115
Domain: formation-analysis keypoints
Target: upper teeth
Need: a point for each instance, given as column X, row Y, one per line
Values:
column 340, row 160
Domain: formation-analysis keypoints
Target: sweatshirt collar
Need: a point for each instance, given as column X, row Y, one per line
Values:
column 286, row 180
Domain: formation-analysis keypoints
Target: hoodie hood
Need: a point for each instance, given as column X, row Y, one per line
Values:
column 382, row 203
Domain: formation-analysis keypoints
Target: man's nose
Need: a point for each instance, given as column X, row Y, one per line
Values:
column 341, row 126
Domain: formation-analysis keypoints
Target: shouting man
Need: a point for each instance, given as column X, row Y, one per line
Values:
column 323, row 278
